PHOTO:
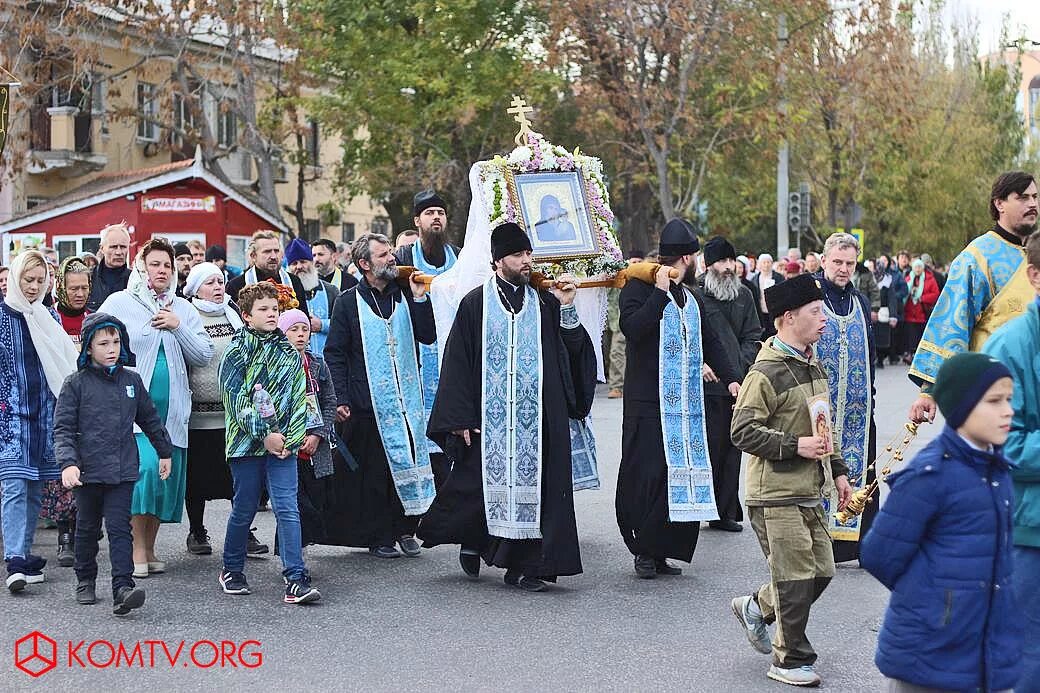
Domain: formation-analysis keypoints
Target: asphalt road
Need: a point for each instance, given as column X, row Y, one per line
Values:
column 417, row 624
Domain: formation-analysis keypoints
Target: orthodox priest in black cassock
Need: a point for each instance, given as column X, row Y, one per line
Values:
column 662, row 496
column 374, row 500
column 509, row 498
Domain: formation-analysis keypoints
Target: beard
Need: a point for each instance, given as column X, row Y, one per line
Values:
column 690, row 276
column 517, row 278
column 387, row 272
column 309, row 279
column 1026, row 228
column 724, row 286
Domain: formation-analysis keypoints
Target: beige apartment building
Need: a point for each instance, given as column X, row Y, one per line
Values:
column 123, row 120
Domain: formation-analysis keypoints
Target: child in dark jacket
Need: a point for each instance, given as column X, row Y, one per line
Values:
column 94, row 445
column 942, row 544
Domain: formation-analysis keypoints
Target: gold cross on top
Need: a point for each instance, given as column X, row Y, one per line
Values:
column 519, row 111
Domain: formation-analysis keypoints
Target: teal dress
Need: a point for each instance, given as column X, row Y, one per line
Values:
column 152, row 495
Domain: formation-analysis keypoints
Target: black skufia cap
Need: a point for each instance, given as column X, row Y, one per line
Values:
column 678, row 238
column 507, row 239
column 792, row 294
column 425, row 200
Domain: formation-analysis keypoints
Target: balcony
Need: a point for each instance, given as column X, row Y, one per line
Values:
column 61, row 141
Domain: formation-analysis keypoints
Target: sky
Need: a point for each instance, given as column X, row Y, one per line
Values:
column 1024, row 19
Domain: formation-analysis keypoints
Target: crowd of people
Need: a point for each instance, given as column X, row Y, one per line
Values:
column 133, row 390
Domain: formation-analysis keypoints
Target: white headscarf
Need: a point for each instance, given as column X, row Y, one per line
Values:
column 199, row 275
column 54, row 347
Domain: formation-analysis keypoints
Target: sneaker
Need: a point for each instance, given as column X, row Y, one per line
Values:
column 754, row 626
column 801, row 676
column 470, row 562
column 300, row 591
column 254, row 547
column 726, row 525
column 233, row 582
column 66, row 555
column 16, row 574
column 85, row 593
column 198, row 543
column 646, row 567
column 384, row 552
column 663, row 567
column 615, row 394
column 126, row 600
column 409, row 546
column 140, row 571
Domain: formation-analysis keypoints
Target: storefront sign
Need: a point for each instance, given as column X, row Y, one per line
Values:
column 179, row 204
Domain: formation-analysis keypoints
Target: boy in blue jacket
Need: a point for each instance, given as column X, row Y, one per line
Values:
column 942, row 544
column 94, row 444
column 1017, row 345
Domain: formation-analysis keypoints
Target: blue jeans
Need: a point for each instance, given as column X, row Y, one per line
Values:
column 1027, row 589
column 249, row 474
column 21, row 508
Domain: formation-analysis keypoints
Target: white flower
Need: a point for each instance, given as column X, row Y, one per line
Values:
column 520, row 155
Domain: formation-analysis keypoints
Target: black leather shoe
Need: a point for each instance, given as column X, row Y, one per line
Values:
column 528, row 584
column 470, row 563
column 726, row 525
column 254, row 547
column 409, row 546
column 85, row 593
column 384, row 552
column 646, row 567
column 127, row 599
column 663, row 567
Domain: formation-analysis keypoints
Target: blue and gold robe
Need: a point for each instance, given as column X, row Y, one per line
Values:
column 986, row 287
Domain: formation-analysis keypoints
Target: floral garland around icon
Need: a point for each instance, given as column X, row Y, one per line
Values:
column 539, row 155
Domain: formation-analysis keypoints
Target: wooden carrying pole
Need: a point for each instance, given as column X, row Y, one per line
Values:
column 643, row 271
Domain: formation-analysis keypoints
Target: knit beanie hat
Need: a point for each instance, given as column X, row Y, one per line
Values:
column 292, row 317
column 961, row 383
column 298, row 249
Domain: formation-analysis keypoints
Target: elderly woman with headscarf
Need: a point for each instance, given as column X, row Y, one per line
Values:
column 209, row 477
column 71, row 289
column 167, row 337
column 35, row 358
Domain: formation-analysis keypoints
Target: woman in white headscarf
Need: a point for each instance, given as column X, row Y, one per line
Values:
column 36, row 355
column 167, row 337
column 209, row 476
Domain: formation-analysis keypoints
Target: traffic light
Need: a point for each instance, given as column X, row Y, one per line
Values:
column 795, row 217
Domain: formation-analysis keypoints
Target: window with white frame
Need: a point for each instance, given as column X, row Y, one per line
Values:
column 183, row 119
column 237, row 247
column 227, row 126
column 68, row 246
column 148, row 112
column 99, row 101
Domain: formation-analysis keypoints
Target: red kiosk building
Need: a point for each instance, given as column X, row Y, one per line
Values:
column 181, row 201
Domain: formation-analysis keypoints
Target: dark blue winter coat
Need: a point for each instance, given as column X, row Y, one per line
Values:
column 942, row 544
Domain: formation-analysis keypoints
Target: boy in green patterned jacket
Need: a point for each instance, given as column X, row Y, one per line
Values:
column 264, row 390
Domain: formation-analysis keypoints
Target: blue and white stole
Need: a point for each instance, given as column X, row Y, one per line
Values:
column 393, row 382
column 283, row 276
column 843, row 354
column 430, row 371
column 584, row 469
column 691, row 492
column 511, row 416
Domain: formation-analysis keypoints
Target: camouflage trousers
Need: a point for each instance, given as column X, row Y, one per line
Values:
column 797, row 545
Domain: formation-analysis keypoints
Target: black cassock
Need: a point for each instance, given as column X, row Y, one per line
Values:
column 642, row 491
column 568, row 387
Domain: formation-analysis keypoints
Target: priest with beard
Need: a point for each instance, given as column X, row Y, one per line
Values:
column 732, row 312
column 517, row 365
column 321, row 295
column 665, row 491
column 375, row 500
column 265, row 264
column 432, row 255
